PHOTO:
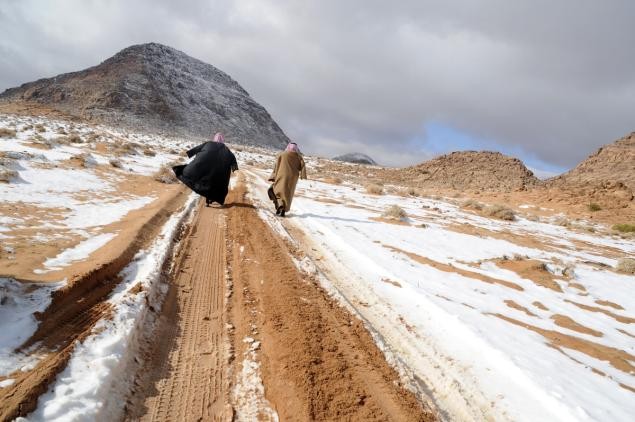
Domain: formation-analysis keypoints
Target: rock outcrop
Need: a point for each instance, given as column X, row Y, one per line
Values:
column 156, row 88
column 472, row 170
column 612, row 164
column 355, row 157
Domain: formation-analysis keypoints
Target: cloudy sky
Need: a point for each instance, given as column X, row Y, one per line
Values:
column 547, row 81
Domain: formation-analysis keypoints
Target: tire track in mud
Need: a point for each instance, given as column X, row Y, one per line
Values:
column 318, row 362
column 72, row 314
column 185, row 374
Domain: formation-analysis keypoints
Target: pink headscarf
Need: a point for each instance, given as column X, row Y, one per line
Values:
column 292, row 147
column 219, row 138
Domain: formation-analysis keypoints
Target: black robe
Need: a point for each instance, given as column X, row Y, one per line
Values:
column 208, row 173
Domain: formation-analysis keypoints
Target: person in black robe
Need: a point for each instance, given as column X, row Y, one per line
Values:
column 209, row 172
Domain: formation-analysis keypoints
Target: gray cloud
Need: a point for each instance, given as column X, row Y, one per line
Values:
column 553, row 79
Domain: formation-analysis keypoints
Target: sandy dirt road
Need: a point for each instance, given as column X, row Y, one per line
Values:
column 185, row 373
column 315, row 361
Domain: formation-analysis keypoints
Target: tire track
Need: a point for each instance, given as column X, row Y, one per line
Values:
column 185, row 378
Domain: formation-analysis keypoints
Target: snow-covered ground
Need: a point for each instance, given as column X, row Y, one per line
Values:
column 64, row 188
column 58, row 207
column 500, row 320
column 94, row 382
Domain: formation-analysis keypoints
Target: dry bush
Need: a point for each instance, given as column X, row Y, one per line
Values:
column 85, row 159
column 129, row 148
column 472, row 204
column 42, row 141
column 149, row 152
column 568, row 271
column 624, row 228
column 626, row 265
column 74, row 138
column 7, row 133
column 533, row 217
column 500, row 212
column 27, row 127
column 333, row 180
column 40, row 128
column 395, row 212
column 61, row 131
column 93, row 136
column 374, row 189
column 562, row 221
column 6, row 174
column 115, row 163
column 594, row 207
column 165, row 175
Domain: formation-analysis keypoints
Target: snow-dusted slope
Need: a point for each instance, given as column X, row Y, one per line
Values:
column 521, row 320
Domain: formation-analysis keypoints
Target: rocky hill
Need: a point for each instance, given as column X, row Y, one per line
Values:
column 156, row 88
column 612, row 164
column 472, row 170
column 355, row 157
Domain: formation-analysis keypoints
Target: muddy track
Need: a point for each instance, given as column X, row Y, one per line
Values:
column 184, row 377
column 73, row 312
column 236, row 286
column 318, row 362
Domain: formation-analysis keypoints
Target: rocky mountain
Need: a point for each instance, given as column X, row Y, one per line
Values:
column 156, row 88
column 472, row 170
column 355, row 157
column 612, row 164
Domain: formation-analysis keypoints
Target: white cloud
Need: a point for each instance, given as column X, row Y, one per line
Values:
column 554, row 78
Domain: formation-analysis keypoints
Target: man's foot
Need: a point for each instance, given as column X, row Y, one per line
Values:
column 207, row 202
column 280, row 211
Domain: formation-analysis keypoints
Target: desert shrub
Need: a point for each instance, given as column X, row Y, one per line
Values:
column 395, row 212
column 562, row 221
column 500, row 212
column 27, row 127
column 475, row 205
column 568, row 271
column 624, row 228
column 7, row 133
column 332, row 180
column 93, row 136
column 594, row 207
column 115, row 163
column 626, row 265
column 61, row 131
column 165, row 175
column 6, row 174
column 74, row 138
column 85, row 159
column 149, row 152
column 128, row 148
column 374, row 189
column 40, row 128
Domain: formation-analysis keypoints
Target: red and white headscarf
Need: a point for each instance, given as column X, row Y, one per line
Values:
column 219, row 138
column 292, row 147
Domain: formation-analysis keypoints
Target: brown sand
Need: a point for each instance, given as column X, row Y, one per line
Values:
column 184, row 376
column 318, row 362
column 451, row 269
